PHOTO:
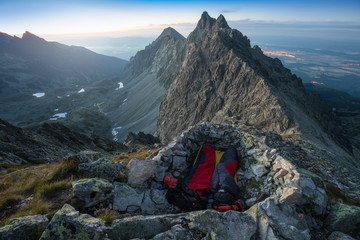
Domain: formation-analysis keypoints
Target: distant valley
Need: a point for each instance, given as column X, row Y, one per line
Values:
column 94, row 94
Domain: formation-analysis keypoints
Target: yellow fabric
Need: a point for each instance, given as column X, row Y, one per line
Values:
column 197, row 155
column 218, row 156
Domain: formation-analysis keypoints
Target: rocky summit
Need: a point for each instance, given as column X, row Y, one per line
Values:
column 290, row 193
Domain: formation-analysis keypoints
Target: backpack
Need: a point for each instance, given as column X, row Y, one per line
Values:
column 224, row 190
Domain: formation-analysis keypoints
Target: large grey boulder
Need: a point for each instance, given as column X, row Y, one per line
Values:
column 29, row 227
column 67, row 223
column 176, row 232
column 126, row 198
column 143, row 226
column 339, row 236
column 228, row 225
column 102, row 168
column 139, row 171
column 282, row 218
column 92, row 190
column 343, row 218
column 149, row 201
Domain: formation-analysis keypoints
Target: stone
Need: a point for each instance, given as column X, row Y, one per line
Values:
column 29, row 227
column 292, row 196
column 281, row 173
column 250, row 202
column 84, row 157
column 92, row 190
column 160, row 173
column 139, row 171
column 281, row 163
column 102, row 168
column 126, row 198
column 228, row 225
column 316, row 196
column 176, row 232
column 343, row 218
column 144, row 227
column 284, row 219
column 179, row 163
column 339, row 236
column 149, row 201
column 258, row 169
column 67, row 223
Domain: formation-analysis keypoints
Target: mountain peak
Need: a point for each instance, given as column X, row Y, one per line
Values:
column 5, row 37
column 30, row 36
column 221, row 22
column 205, row 22
column 172, row 33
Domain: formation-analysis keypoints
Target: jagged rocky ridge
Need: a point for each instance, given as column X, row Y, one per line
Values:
column 302, row 197
column 222, row 76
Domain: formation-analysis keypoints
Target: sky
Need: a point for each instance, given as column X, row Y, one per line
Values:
column 94, row 16
column 80, row 22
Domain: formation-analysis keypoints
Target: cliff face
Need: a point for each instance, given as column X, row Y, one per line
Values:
column 222, row 76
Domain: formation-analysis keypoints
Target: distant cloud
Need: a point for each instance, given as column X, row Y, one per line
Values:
column 228, row 11
column 334, row 30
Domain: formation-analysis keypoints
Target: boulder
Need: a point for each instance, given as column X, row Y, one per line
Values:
column 29, row 227
column 343, row 218
column 149, row 201
column 339, row 236
column 126, row 198
column 102, row 168
column 139, row 171
column 282, row 218
column 179, row 163
column 292, row 196
column 258, row 169
column 228, row 225
column 67, row 223
column 143, row 226
column 176, row 232
column 92, row 190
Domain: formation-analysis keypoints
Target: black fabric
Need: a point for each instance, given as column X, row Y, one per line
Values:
column 184, row 201
column 224, row 189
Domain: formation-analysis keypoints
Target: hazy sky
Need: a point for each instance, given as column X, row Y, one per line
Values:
column 89, row 16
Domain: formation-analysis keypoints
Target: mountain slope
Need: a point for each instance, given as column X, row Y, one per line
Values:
column 31, row 64
column 48, row 142
column 40, row 80
column 146, row 79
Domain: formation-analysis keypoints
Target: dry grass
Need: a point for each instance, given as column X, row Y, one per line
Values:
column 107, row 215
column 40, row 182
column 141, row 154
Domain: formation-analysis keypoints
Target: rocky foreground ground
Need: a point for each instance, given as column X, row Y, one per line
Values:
column 293, row 190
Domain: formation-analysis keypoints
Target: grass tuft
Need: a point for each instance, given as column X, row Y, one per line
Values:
column 49, row 190
column 107, row 215
column 64, row 171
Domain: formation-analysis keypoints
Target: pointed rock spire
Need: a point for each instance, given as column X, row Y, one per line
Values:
column 205, row 22
column 172, row 33
column 221, row 22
